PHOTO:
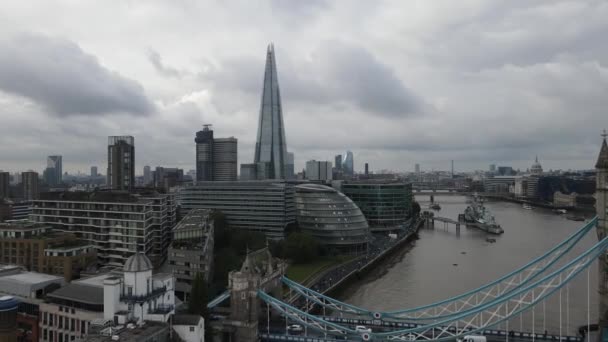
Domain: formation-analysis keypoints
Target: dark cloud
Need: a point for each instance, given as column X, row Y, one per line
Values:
column 338, row 74
column 167, row 71
column 58, row 75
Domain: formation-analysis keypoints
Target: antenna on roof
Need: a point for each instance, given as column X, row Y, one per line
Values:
column 604, row 134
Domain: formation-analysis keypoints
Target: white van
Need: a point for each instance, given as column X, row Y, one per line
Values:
column 473, row 338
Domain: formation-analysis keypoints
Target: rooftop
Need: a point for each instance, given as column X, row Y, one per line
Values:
column 186, row 319
column 22, row 225
column 96, row 196
column 81, row 293
column 138, row 333
column 195, row 218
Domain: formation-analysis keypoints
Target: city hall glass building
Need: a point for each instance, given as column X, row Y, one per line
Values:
column 387, row 205
column 332, row 218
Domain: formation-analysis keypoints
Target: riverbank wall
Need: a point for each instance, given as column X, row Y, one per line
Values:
column 340, row 285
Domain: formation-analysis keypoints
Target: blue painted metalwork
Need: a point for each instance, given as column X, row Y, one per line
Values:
column 559, row 250
column 448, row 328
column 217, row 300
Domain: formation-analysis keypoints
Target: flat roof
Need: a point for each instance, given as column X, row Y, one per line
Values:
column 82, row 293
column 23, row 284
column 195, row 218
column 97, row 280
column 31, row 278
column 139, row 333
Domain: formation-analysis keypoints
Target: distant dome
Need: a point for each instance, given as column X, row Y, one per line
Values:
column 536, row 168
column 137, row 263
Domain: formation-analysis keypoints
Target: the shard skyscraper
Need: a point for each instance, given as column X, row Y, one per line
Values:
column 271, row 148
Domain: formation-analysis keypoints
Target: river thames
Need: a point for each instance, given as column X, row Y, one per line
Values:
column 442, row 264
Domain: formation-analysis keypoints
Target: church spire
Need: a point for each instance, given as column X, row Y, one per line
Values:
column 602, row 159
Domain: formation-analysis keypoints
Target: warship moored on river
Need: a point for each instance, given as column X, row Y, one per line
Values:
column 479, row 216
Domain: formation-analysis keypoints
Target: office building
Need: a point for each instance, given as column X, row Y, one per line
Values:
column 29, row 182
column 94, row 171
column 417, row 168
column 264, row 206
column 191, row 251
column 216, row 158
column 204, row 154
column 118, row 224
column 5, row 189
column 248, row 172
column 499, row 184
column 225, row 159
column 348, row 164
column 86, row 306
column 8, row 318
column 338, row 161
column 492, row 168
column 319, row 170
column 147, row 175
column 38, row 248
column 332, row 218
column 121, row 162
column 366, row 169
column 386, row 204
column 167, row 177
column 271, row 146
column 53, row 174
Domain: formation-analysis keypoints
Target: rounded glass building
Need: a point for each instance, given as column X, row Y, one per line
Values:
column 331, row 217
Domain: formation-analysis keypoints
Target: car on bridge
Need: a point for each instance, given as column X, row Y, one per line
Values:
column 295, row 329
column 362, row 329
column 473, row 338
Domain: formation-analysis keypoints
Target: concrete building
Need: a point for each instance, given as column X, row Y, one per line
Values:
column 332, row 218
column 271, row 146
column 264, row 206
column 118, row 224
column 248, row 172
column 499, row 184
column 94, row 171
column 190, row 328
column 133, row 295
column 5, row 178
column 387, row 205
column 14, row 210
column 290, row 173
column 601, row 205
column 37, row 248
column 318, row 170
column 191, row 251
column 29, row 181
column 417, row 168
column 121, row 162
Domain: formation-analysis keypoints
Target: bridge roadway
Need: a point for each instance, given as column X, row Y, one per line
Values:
column 278, row 332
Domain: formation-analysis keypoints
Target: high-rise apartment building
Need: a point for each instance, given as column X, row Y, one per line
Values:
column 417, row 168
column 54, row 170
column 167, row 177
column 118, row 224
column 94, row 171
column 121, row 162
column 318, row 170
column 5, row 178
column 216, row 158
column 29, row 181
column 271, row 146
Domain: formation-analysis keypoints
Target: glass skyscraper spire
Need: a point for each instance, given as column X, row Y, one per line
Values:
column 270, row 146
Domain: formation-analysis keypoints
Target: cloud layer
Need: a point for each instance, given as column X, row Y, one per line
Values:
column 398, row 83
column 56, row 74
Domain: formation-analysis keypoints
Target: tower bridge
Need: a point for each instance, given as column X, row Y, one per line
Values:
column 488, row 310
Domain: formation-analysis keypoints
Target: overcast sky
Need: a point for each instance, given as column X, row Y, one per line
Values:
column 396, row 82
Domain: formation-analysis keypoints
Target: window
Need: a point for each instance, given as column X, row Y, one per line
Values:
column 191, row 329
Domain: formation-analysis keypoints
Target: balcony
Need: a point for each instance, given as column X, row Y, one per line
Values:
column 159, row 291
column 161, row 310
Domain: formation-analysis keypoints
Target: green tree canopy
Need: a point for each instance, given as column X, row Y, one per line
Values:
column 199, row 297
column 301, row 247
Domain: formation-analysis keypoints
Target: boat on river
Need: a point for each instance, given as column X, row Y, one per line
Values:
column 479, row 216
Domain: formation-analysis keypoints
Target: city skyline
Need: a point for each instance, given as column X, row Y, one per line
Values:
column 500, row 66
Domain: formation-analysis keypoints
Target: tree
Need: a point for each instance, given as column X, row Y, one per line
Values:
column 221, row 231
column 301, row 247
column 199, row 297
column 415, row 209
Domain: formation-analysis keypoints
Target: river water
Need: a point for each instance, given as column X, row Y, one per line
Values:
column 442, row 264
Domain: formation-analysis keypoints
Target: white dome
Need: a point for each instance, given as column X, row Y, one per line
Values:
column 137, row 263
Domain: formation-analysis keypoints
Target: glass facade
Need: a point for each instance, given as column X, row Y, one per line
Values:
column 270, row 146
column 386, row 205
column 331, row 217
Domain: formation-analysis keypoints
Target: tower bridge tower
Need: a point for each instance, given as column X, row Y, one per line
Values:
column 601, row 196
